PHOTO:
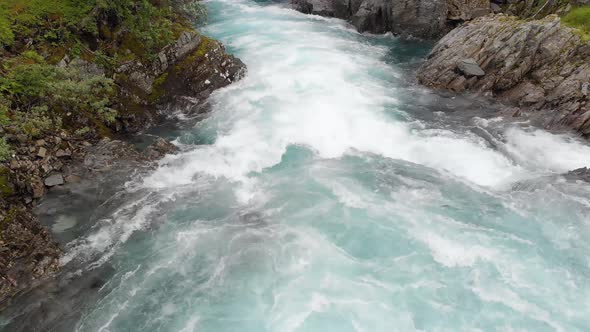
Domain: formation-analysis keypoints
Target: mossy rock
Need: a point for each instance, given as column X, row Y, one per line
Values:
column 5, row 184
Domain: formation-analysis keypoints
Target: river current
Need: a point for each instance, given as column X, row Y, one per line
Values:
column 327, row 191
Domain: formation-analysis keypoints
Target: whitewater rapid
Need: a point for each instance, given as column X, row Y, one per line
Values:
column 324, row 200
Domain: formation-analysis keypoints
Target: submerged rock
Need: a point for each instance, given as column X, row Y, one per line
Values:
column 160, row 148
column 540, row 66
column 582, row 174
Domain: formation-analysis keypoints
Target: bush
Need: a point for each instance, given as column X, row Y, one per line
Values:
column 42, row 94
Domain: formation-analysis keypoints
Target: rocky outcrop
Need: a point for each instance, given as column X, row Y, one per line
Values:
column 417, row 18
column 427, row 19
column 193, row 66
column 540, row 66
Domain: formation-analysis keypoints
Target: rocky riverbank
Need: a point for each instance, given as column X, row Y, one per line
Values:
column 65, row 143
column 540, row 67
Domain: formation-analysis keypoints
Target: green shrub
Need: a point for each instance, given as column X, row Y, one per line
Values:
column 42, row 94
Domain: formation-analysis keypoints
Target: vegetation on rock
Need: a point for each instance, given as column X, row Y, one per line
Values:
column 579, row 18
column 58, row 60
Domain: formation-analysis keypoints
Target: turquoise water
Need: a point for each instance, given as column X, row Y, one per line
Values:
column 333, row 194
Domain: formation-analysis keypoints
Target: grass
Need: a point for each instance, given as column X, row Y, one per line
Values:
column 579, row 19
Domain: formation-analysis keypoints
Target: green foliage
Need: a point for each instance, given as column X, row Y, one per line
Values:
column 4, row 150
column 42, row 94
column 37, row 97
column 35, row 123
column 195, row 12
column 579, row 18
column 82, row 131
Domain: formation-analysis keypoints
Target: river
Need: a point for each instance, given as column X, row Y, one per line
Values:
column 327, row 191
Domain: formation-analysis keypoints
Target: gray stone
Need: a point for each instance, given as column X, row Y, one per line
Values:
column 63, row 153
column 470, row 67
column 54, row 180
column 42, row 152
column 495, row 8
column 37, row 187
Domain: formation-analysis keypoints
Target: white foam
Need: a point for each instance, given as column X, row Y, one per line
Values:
column 318, row 91
column 545, row 151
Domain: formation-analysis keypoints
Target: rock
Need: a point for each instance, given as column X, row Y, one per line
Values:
column 40, row 142
column 464, row 10
column 42, row 152
column 427, row 19
column 525, row 93
column 330, row 8
column 54, row 180
column 14, row 164
column 416, row 18
column 64, row 61
column 142, row 81
column 578, row 174
column 160, row 148
column 37, row 187
column 63, row 153
column 539, row 65
column 495, row 8
column 470, row 67
column 459, row 84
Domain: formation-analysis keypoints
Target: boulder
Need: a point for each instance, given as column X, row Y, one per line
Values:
column 42, row 152
column 470, row 67
column 329, row 8
column 37, row 187
column 63, row 153
column 416, row 18
column 54, row 180
column 160, row 148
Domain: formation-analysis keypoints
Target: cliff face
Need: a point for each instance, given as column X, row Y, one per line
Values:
column 540, row 66
column 428, row 19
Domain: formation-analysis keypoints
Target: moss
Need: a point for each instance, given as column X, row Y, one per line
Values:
column 579, row 19
column 191, row 59
column 5, row 187
column 158, row 88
